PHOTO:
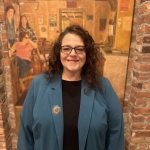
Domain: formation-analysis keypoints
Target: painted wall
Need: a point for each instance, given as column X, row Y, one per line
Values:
column 123, row 25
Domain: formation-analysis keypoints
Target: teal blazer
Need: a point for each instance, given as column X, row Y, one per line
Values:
column 100, row 122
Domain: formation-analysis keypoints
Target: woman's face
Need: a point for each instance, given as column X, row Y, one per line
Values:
column 72, row 59
column 25, row 38
column 23, row 21
column 10, row 13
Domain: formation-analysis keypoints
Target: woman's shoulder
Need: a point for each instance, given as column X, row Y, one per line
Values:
column 109, row 94
column 41, row 78
column 106, row 84
column 104, row 81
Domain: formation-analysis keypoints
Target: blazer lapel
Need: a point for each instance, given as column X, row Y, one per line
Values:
column 57, row 109
column 86, row 106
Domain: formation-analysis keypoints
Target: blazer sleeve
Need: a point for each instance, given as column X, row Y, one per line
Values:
column 115, row 132
column 25, row 137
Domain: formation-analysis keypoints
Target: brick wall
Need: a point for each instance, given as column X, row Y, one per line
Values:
column 2, row 99
column 137, row 96
column 2, row 85
column 8, row 107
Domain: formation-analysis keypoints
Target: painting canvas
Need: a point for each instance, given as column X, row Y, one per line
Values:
column 26, row 50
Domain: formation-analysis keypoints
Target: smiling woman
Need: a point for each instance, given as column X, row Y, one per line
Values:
column 72, row 106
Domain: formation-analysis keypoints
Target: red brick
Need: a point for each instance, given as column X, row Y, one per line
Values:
column 146, row 18
column 145, row 133
column 132, row 146
column 147, row 139
column 145, row 8
column 147, row 127
column 139, row 93
column 143, row 58
column 147, row 29
column 138, row 126
column 1, row 16
column 145, row 94
column 143, row 19
column 142, row 146
column 146, row 39
column 137, row 140
column 143, row 28
column 138, row 102
column 146, row 86
column 138, row 118
column 141, row 111
column 142, row 67
column 148, row 119
column 144, row 77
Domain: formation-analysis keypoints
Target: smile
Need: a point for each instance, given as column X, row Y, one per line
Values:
column 73, row 60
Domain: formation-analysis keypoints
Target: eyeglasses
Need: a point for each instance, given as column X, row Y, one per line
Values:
column 68, row 49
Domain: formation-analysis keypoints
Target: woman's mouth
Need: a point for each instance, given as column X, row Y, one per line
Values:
column 73, row 60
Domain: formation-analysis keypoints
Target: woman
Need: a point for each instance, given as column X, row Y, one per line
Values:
column 25, row 27
column 72, row 107
column 10, row 25
column 23, row 50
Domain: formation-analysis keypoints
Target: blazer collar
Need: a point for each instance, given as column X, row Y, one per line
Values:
column 85, row 113
column 86, row 105
column 55, row 95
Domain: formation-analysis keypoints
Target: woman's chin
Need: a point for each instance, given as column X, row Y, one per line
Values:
column 73, row 70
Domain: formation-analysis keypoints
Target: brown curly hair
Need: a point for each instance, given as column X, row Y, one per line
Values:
column 91, row 70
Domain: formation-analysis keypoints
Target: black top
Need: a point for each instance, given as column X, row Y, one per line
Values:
column 71, row 92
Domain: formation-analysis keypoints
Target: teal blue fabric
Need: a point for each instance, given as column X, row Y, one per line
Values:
column 100, row 123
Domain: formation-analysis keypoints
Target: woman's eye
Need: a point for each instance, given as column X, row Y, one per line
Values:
column 66, row 48
column 79, row 48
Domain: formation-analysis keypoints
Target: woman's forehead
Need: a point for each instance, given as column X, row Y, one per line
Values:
column 72, row 38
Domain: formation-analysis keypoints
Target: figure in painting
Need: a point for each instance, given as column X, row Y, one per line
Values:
column 21, row 54
column 10, row 25
column 25, row 27
column 26, row 58
column 23, row 50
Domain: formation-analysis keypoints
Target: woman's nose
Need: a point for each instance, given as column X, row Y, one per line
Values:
column 73, row 52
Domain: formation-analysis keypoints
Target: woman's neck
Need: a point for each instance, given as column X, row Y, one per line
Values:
column 71, row 76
